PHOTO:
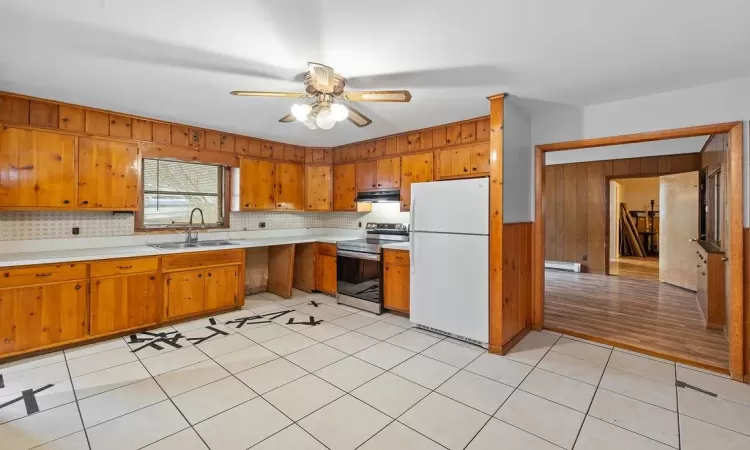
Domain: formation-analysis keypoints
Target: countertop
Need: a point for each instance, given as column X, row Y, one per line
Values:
column 396, row 246
column 91, row 254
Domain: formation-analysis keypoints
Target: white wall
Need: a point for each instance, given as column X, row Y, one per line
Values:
column 722, row 102
column 518, row 164
column 637, row 193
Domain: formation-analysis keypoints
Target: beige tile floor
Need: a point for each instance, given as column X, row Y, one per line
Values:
column 360, row 381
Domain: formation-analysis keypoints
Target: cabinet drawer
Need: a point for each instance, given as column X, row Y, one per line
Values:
column 51, row 273
column 327, row 249
column 123, row 266
column 398, row 257
column 201, row 259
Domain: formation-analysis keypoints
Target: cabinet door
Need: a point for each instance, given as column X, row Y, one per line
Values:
column 414, row 169
column 389, row 173
column 289, row 182
column 367, row 173
column 455, row 162
column 221, row 287
column 107, row 174
column 122, row 302
column 185, row 292
column 257, row 180
column 36, row 169
column 344, row 188
column 396, row 287
column 43, row 315
column 480, row 158
column 325, row 274
column 318, row 188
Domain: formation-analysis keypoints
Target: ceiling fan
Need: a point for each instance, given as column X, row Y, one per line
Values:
column 325, row 86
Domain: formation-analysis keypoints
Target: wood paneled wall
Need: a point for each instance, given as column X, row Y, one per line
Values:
column 576, row 203
column 46, row 114
column 517, row 242
column 746, row 260
column 450, row 135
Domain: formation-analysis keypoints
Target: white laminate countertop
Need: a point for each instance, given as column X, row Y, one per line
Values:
column 396, row 246
column 90, row 254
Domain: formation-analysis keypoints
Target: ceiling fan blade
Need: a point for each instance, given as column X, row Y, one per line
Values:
column 464, row 76
column 357, row 118
column 322, row 77
column 288, row 118
column 378, row 96
column 269, row 94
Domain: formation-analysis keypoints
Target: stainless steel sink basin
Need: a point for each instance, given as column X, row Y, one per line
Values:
column 176, row 245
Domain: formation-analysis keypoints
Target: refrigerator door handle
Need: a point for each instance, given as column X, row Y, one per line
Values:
column 412, row 269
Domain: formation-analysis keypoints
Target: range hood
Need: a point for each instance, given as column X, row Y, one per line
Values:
column 385, row 196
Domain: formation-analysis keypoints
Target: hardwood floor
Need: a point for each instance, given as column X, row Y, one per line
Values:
column 661, row 319
column 631, row 267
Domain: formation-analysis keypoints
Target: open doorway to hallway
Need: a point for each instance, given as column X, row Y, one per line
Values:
column 626, row 258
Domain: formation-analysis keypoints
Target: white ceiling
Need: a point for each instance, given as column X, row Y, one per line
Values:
column 178, row 59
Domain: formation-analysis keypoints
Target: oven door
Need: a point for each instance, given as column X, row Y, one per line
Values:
column 360, row 280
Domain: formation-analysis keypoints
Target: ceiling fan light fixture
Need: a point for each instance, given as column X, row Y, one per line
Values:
column 301, row 111
column 310, row 123
column 339, row 112
column 324, row 119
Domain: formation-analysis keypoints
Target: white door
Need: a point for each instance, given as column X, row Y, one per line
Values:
column 678, row 223
column 460, row 206
column 450, row 282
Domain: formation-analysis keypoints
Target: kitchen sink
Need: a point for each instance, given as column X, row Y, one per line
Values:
column 199, row 244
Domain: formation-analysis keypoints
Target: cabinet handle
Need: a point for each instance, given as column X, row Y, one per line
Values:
column 247, row 205
column 200, row 275
column 473, row 169
column 78, row 287
column 85, row 202
column 724, row 259
column 703, row 273
column 209, row 274
column 378, row 184
column 65, row 202
column 152, row 277
column 44, row 274
column 124, row 267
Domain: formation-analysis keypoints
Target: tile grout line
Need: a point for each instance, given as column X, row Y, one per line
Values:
column 516, row 388
column 75, row 398
column 586, row 414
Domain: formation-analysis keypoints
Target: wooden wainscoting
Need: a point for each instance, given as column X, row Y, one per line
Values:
column 516, row 280
column 575, row 215
column 746, row 242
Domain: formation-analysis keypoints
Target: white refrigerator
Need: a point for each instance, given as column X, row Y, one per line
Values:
column 449, row 252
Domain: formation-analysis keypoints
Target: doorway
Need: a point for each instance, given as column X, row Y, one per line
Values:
column 581, row 285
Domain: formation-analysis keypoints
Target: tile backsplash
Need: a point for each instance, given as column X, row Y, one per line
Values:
column 25, row 225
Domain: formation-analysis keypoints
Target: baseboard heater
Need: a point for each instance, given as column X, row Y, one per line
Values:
column 560, row 265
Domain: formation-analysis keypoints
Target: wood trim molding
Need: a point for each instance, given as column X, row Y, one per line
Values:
column 738, row 332
column 675, row 133
column 496, row 225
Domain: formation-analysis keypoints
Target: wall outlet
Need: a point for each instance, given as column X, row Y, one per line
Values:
column 585, row 257
column 76, row 231
column 360, row 224
column 262, row 225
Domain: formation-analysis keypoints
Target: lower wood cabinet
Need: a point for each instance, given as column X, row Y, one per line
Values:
column 711, row 286
column 34, row 317
column 124, row 302
column 325, row 269
column 396, row 280
column 185, row 293
column 222, row 284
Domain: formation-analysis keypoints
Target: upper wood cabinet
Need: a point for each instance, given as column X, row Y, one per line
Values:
column 289, row 186
column 367, row 176
column 344, row 188
column 318, row 188
column 257, row 181
column 416, row 168
column 107, row 174
column 464, row 161
column 388, row 173
column 37, row 169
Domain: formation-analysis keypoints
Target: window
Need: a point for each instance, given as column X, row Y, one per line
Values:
column 171, row 189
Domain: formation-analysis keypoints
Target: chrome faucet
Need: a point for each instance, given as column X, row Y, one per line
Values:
column 190, row 238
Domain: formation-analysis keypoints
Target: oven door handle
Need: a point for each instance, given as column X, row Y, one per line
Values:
column 359, row 255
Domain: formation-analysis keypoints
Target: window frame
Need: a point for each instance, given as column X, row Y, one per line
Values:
column 715, row 208
column 225, row 198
